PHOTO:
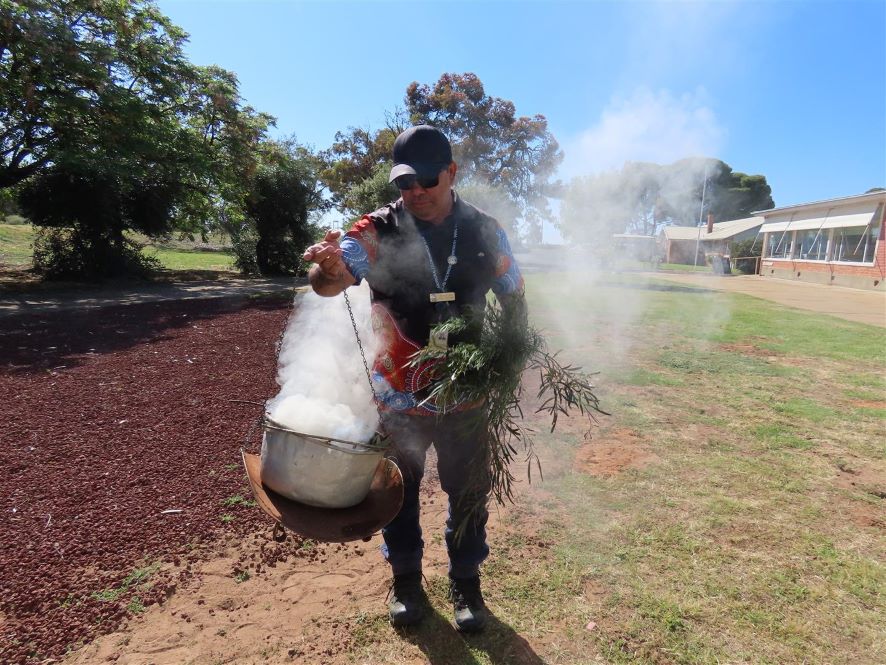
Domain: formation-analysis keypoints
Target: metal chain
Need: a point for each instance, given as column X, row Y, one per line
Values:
column 360, row 345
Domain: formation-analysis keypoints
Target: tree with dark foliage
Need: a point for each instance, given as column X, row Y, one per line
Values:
column 494, row 148
column 284, row 196
column 643, row 196
column 490, row 143
column 109, row 128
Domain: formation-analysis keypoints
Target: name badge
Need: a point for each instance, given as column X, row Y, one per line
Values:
column 446, row 296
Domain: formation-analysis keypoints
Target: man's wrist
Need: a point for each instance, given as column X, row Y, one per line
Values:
column 325, row 283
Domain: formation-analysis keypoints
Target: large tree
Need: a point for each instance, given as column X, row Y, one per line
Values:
column 98, row 95
column 492, row 145
column 495, row 149
column 357, row 156
column 283, row 200
column 728, row 194
column 641, row 197
column 81, row 73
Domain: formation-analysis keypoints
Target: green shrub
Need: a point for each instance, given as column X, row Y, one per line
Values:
column 746, row 248
column 243, row 243
column 68, row 253
column 16, row 220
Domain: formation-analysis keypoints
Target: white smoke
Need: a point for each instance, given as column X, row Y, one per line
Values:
column 646, row 126
column 323, row 386
column 604, row 167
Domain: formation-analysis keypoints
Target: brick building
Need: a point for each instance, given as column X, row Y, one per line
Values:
column 839, row 241
column 691, row 244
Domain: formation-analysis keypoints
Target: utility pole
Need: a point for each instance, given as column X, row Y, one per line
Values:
column 704, row 186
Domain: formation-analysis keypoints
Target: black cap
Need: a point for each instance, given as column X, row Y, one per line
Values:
column 422, row 151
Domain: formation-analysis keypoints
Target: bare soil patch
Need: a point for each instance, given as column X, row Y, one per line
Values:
column 307, row 609
column 751, row 350
column 869, row 403
column 613, row 452
column 325, row 604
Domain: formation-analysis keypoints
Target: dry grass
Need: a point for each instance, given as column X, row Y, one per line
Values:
column 751, row 532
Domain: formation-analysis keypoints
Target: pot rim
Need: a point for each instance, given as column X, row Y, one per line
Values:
column 269, row 423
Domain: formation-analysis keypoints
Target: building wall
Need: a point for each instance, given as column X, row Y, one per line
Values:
column 831, row 272
column 856, row 275
column 683, row 251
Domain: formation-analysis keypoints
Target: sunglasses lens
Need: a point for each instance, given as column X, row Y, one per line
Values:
column 406, row 182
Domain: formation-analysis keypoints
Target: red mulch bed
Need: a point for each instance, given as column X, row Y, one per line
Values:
column 109, row 417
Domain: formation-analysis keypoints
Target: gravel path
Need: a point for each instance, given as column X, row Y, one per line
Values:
column 13, row 302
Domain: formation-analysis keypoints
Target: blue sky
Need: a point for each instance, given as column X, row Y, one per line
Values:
column 793, row 90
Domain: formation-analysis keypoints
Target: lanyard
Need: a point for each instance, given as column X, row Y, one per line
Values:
column 451, row 260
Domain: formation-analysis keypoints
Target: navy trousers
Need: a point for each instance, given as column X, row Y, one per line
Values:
column 463, row 465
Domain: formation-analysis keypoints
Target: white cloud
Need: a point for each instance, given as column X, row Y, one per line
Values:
column 650, row 126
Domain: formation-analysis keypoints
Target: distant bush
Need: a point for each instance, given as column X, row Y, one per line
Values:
column 16, row 220
column 67, row 253
column 744, row 249
column 243, row 243
column 88, row 212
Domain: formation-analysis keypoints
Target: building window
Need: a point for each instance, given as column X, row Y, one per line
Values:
column 780, row 245
column 855, row 244
column 812, row 245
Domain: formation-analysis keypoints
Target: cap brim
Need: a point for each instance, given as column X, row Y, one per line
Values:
column 421, row 170
column 401, row 169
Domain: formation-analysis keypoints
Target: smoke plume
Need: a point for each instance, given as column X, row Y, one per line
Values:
column 323, row 386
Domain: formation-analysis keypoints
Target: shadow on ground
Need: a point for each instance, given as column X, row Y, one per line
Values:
column 36, row 342
column 652, row 286
column 443, row 645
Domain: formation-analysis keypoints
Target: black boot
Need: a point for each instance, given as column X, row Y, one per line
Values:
column 408, row 601
column 467, row 601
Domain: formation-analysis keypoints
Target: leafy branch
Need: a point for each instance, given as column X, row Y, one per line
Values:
column 489, row 368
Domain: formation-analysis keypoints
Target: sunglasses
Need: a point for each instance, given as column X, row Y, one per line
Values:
column 408, row 181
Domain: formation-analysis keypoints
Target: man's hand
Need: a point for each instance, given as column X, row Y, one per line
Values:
column 329, row 276
column 326, row 254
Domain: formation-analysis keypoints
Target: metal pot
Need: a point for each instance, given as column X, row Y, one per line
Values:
column 317, row 471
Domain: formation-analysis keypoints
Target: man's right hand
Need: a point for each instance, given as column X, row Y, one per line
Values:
column 327, row 254
column 329, row 276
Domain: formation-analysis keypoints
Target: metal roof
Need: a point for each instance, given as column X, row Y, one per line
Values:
column 722, row 230
column 872, row 196
column 852, row 211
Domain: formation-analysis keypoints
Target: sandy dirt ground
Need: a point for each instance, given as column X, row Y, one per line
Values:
column 297, row 611
column 860, row 305
column 309, row 609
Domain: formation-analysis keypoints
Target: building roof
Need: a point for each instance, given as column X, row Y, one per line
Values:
column 722, row 230
column 861, row 210
column 872, row 197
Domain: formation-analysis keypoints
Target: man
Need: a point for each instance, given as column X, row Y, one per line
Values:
column 427, row 257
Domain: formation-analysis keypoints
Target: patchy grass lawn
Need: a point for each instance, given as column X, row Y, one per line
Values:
column 192, row 259
column 757, row 536
column 16, row 245
column 16, row 248
column 729, row 511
